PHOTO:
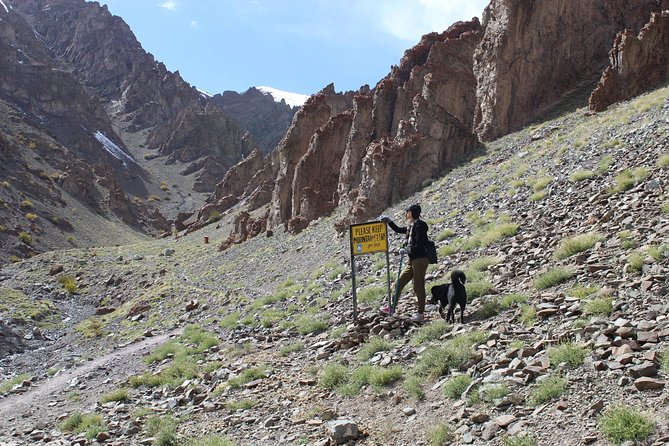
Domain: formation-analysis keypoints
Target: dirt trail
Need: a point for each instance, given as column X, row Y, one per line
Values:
column 48, row 399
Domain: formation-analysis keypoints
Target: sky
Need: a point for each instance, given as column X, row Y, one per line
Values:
column 292, row 45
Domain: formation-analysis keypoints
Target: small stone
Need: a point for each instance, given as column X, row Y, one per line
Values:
column 489, row 431
column 646, row 368
column 646, row 336
column 55, row 269
column 192, row 305
column 480, row 418
column 645, row 383
column 408, row 411
column 505, row 420
column 342, row 431
column 102, row 436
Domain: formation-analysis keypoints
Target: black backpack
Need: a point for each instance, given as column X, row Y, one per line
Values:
column 431, row 251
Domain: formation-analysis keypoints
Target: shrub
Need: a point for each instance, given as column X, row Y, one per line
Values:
column 5, row 185
column 309, row 324
column 541, row 183
column 248, row 375
column 26, row 204
column 372, row 294
column 6, row 386
column 538, row 196
column 528, row 315
column 664, row 362
column 441, row 435
column 291, row 348
column 552, row 278
column 663, row 161
column 519, row 440
column 91, row 327
column 31, row 216
column 373, row 346
column 215, row 216
column 493, row 392
column 621, row 423
column 601, row 306
column 333, row 376
column 210, row 440
column 581, row 175
column 447, row 233
column 483, row 263
column 476, row 289
column 627, row 179
column 547, row 390
column 88, row 424
column 581, row 291
column 579, row 243
column 68, row 282
column 244, row 404
column 635, row 261
column 437, row 360
column 163, row 430
column 414, row 387
column 489, row 308
column 26, row 238
column 508, row 300
column 430, row 332
column 604, row 164
column 164, row 186
column 455, row 387
column 116, row 395
column 571, row 354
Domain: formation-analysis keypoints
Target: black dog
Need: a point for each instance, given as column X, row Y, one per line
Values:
column 450, row 295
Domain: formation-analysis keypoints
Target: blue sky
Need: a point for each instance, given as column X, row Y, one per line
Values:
column 292, row 45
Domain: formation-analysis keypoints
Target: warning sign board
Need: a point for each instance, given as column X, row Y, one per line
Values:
column 370, row 237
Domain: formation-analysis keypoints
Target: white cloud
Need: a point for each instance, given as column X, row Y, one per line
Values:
column 170, row 5
column 409, row 19
column 193, row 24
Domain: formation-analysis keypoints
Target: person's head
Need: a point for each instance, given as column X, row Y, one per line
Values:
column 413, row 212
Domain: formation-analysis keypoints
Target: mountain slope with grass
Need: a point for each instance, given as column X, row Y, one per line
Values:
column 562, row 229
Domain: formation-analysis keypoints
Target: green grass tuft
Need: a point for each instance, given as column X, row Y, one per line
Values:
column 493, row 392
column 436, row 360
column 7, row 385
column 528, row 315
column 455, row 387
column 373, row 346
column 430, row 332
column 547, row 390
column 621, row 423
column 552, row 278
column 635, row 261
column 571, row 354
column 600, row 306
column 581, row 175
column 508, row 300
column 116, row 395
column 581, row 291
column 291, row 348
column 309, row 324
column 519, row 440
column 414, row 387
column 489, row 308
column 441, row 435
column 577, row 244
column 88, row 424
column 210, row 440
column 483, row 263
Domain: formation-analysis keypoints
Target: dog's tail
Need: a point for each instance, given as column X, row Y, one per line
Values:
column 458, row 277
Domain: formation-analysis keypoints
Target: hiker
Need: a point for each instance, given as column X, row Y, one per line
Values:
column 414, row 246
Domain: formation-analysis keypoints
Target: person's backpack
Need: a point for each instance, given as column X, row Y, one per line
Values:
column 431, row 251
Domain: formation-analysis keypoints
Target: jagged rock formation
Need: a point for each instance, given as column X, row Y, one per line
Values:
column 534, row 53
column 636, row 63
column 365, row 150
column 259, row 114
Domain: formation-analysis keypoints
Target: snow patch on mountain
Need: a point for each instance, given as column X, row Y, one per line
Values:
column 292, row 99
column 112, row 148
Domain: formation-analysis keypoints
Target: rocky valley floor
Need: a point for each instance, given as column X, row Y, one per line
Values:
column 562, row 230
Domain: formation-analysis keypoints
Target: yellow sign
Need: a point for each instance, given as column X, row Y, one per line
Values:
column 367, row 238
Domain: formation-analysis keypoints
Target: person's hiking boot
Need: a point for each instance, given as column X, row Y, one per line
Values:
column 385, row 309
column 418, row 317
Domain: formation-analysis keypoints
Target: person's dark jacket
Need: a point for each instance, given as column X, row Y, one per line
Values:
column 416, row 238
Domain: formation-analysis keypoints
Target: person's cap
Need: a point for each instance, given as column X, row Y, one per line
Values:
column 415, row 210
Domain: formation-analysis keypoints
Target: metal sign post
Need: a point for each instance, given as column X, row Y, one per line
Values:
column 368, row 238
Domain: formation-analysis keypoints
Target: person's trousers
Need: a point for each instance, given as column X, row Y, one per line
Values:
column 415, row 271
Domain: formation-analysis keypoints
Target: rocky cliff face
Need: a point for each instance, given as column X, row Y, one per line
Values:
column 143, row 100
column 533, row 54
column 259, row 114
column 636, row 63
column 365, row 150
